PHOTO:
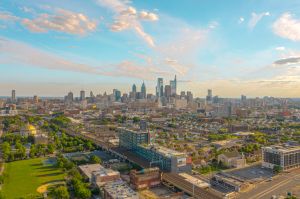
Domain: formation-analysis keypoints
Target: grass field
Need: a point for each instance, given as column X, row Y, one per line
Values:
column 24, row 177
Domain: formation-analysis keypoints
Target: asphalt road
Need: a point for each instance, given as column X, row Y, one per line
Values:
column 280, row 185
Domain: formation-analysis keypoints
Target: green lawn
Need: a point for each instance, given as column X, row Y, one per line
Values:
column 24, row 177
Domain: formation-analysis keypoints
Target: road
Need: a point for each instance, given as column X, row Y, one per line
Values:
column 280, row 185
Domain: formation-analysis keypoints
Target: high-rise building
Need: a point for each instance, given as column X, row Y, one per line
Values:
column 35, row 99
column 168, row 91
column 143, row 91
column 285, row 157
column 173, row 84
column 160, row 87
column 70, row 97
column 82, row 95
column 182, row 95
column 189, row 96
column 13, row 95
column 209, row 96
column 117, row 94
column 243, row 98
column 134, row 88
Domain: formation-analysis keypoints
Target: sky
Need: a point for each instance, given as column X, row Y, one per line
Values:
column 233, row 47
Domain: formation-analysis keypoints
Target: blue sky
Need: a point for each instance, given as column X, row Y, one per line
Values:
column 235, row 47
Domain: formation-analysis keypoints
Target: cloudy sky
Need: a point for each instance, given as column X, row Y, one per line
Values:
column 234, row 47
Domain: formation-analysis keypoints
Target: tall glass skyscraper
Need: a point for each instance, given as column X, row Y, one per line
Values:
column 173, row 84
column 160, row 87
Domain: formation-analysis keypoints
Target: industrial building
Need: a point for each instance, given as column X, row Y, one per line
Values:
column 167, row 160
column 98, row 175
column 284, row 156
column 228, row 182
column 130, row 139
column 119, row 189
column 146, row 178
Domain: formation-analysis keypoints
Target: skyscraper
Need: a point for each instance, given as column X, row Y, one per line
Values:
column 209, row 96
column 167, row 91
column 70, row 97
column 160, row 87
column 82, row 95
column 173, row 84
column 117, row 94
column 13, row 95
column 143, row 90
column 134, row 88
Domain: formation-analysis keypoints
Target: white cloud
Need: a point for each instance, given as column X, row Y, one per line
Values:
column 7, row 16
column 255, row 18
column 241, row 20
column 287, row 27
column 126, row 17
column 19, row 53
column 62, row 21
column 280, row 48
column 144, row 15
column 213, row 25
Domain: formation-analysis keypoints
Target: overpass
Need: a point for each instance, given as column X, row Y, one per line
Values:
column 175, row 180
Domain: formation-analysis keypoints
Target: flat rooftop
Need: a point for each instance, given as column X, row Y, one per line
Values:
column 165, row 151
column 119, row 189
column 90, row 168
column 283, row 148
column 195, row 181
column 97, row 169
column 136, row 131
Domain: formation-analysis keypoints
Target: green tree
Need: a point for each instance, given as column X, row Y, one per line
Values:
column 60, row 192
column 6, row 150
column 95, row 159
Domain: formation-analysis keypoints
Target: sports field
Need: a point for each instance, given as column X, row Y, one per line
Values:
column 23, row 178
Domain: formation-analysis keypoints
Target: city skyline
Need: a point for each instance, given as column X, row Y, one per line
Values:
column 250, row 47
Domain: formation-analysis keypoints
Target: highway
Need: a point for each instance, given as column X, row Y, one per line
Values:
column 280, row 185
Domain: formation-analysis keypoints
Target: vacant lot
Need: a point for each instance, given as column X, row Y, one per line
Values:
column 24, row 177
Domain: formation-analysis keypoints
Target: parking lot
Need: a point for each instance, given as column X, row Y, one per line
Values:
column 252, row 174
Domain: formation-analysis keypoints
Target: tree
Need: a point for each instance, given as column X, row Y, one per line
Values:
column 277, row 169
column 60, row 192
column 95, row 159
column 136, row 119
column 6, row 149
column 80, row 189
column 51, row 148
column 32, row 152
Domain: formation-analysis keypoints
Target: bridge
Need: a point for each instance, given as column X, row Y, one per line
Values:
column 175, row 180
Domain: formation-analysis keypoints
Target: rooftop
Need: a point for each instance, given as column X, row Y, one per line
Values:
column 89, row 169
column 119, row 189
column 165, row 151
column 284, row 148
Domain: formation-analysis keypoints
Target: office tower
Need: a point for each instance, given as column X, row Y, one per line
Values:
column 243, row 98
column 70, row 97
column 209, row 95
column 82, row 95
column 173, row 84
column 117, row 94
column 134, row 88
column 143, row 91
column 35, row 99
column 168, row 91
column 13, row 95
column 215, row 99
column 189, row 97
column 92, row 94
column 160, row 87
column 182, row 94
